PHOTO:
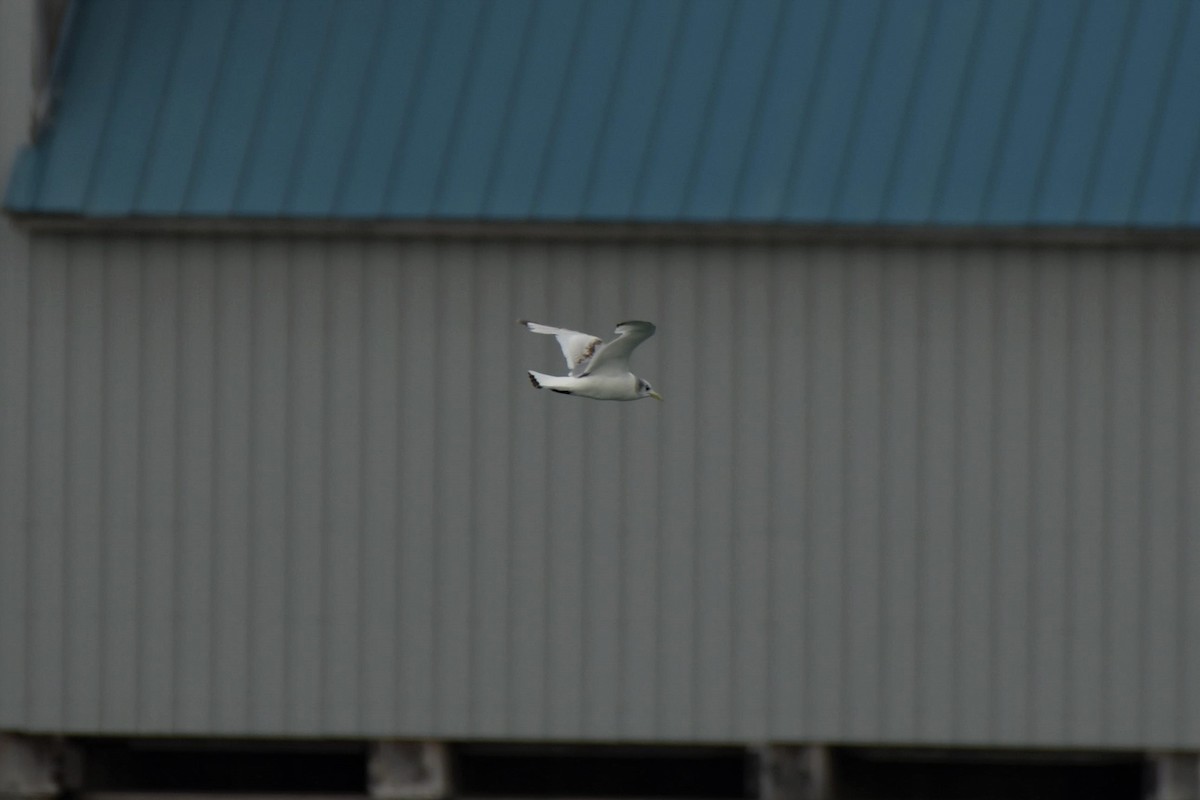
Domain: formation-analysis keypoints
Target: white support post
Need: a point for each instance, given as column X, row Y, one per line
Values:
column 1176, row 776
column 409, row 771
column 29, row 767
column 794, row 772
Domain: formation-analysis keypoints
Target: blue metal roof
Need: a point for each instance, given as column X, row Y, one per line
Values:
column 930, row 112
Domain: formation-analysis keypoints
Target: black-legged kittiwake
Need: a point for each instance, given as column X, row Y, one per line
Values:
column 598, row 369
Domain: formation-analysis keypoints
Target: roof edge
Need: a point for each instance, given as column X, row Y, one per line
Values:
column 612, row 231
column 18, row 194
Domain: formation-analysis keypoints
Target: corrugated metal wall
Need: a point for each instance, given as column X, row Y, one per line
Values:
column 16, row 96
column 901, row 494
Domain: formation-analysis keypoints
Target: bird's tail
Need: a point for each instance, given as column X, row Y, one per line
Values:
column 540, row 380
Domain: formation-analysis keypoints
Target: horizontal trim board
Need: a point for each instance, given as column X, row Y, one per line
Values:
column 211, row 796
column 614, row 231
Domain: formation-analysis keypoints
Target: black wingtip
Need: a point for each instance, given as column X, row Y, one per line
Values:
column 523, row 322
column 533, row 379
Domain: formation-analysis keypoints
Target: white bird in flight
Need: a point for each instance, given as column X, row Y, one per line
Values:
column 598, row 369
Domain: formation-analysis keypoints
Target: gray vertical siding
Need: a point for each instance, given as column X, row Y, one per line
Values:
column 896, row 493
column 16, row 98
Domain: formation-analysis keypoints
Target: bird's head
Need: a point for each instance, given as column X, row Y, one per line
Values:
column 646, row 390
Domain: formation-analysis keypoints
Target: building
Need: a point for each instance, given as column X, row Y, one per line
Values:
column 922, row 499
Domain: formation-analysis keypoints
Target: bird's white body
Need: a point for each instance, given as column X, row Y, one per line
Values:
column 598, row 370
column 597, row 387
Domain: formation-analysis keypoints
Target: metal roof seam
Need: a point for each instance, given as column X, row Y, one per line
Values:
column 1189, row 208
column 638, row 186
column 154, row 141
column 1142, row 176
column 290, row 187
column 737, row 195
column 838, row 190
column 1044, row 162
column 942, row 171
column 589, row 176
column 503, row 128
column 1087, row 196
column 690, row 176
column 460, row 101
column 760, row 84
column 539, row 183
column 1007, row 117
column 411, row 100
column 812, row 90
column 342, row 173
column 887, row 195
column 89, row 186
column 223, row 76
column 590, row 205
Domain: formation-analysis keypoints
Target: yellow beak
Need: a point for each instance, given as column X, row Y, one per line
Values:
column 655, row 395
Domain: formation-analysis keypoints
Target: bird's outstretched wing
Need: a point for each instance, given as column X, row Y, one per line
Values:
column 577, row 348
column 613, row 357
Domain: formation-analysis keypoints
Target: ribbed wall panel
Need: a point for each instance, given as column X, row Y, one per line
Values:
column 17, row 36
column 895, row 494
